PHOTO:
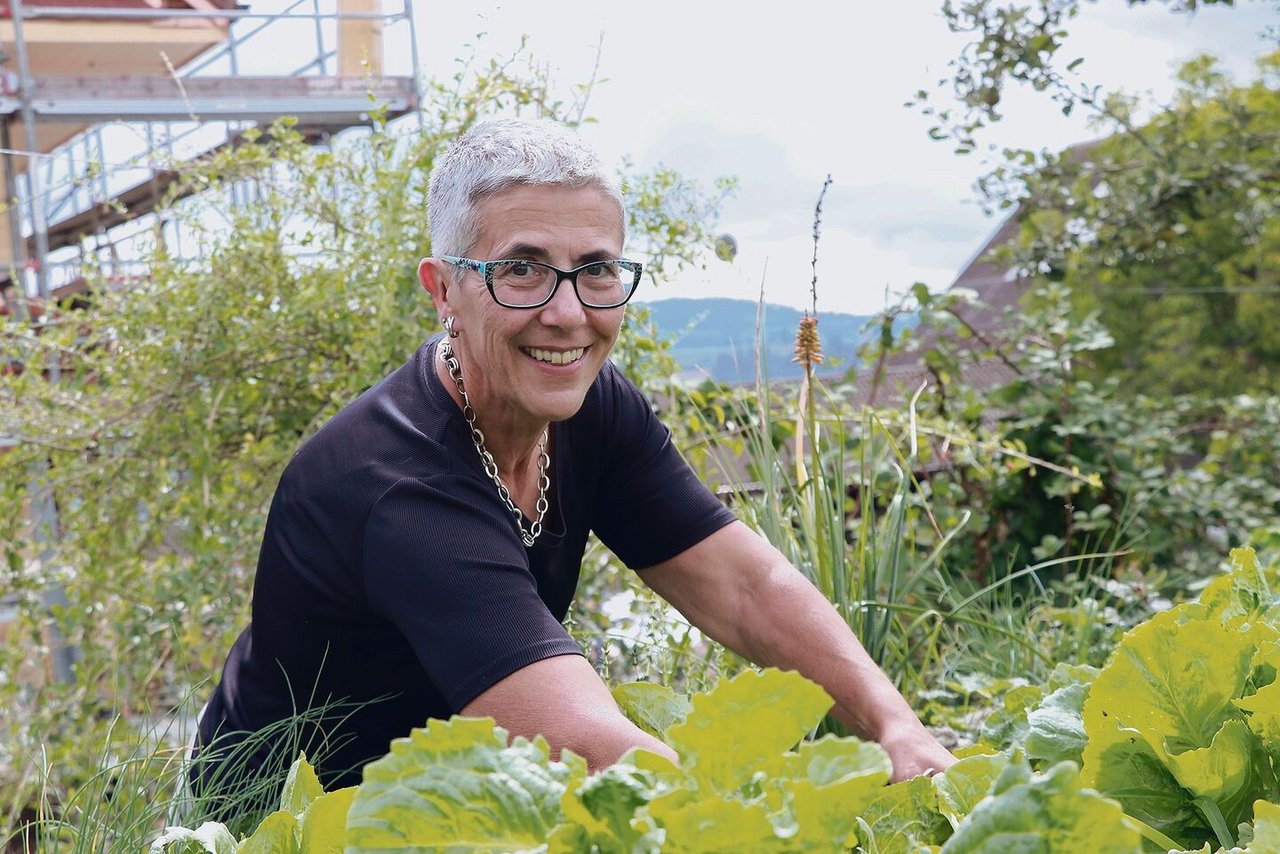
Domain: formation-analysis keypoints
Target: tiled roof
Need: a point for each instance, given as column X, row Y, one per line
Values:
column 997, row 290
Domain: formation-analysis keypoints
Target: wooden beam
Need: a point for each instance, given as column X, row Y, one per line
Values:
column 359, row 40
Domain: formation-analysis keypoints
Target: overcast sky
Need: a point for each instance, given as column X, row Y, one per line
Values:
column 781, row 94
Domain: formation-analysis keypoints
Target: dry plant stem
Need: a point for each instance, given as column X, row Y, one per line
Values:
column 817, row 232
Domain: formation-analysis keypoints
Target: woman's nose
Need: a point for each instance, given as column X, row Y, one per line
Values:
column 565, row 308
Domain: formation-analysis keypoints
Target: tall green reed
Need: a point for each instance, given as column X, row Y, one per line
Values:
column 836, row 489
column 142, row 781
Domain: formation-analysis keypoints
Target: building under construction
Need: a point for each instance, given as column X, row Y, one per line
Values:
column 100, row 99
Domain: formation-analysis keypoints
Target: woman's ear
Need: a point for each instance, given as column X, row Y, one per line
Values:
column 434, row 276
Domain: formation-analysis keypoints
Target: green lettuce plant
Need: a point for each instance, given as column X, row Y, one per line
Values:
column 1181, row 723
column 748, row 781
column 1173, row 744
column 459, row 785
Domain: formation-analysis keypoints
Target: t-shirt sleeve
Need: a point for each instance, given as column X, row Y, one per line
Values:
column 650, row 505
column 440, row 566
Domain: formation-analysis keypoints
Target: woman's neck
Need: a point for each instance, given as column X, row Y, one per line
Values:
column 515, row 445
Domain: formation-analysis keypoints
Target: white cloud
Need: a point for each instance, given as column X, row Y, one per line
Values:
column 781, row 95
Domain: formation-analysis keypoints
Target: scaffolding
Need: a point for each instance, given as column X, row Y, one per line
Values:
column 90, row 137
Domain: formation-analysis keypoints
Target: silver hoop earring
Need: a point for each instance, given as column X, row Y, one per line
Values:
column 448, row 326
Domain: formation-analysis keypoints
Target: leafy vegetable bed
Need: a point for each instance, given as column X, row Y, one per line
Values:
column 1173, row 745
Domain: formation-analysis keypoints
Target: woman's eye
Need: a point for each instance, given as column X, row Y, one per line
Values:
column 520, row 268
column 603, row 270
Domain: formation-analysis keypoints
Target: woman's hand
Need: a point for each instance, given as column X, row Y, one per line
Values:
column 914, row 752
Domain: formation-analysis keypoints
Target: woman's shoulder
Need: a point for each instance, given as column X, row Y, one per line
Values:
column 394, row 429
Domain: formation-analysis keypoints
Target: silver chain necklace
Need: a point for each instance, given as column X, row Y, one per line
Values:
column 486, row 458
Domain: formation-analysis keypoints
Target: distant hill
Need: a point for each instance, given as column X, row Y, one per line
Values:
column 718, row 336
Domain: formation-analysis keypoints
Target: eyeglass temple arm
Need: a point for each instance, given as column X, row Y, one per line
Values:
column 478, row 266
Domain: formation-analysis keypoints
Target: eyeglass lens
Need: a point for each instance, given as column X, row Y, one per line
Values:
column 601, row 284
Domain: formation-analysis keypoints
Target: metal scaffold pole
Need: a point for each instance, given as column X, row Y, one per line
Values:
column 39, row 226
column 418, row 87
column 43, row 505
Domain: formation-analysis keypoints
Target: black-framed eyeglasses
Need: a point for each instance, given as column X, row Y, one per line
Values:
column 532, row 284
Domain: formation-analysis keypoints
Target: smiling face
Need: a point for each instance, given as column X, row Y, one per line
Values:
column 526, row 367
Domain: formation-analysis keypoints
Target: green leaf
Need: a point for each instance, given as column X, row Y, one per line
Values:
column 277, row 834
column 741, row 729
column 456, row 785
column 832, row 781
column 704, row 823
column 654, row 764
column 1122, row 764
column 599, row 814
column 963, row 786
column 1007, row 725
column 1055, row 728
column 1046, row 813
column 1174, row 677
column 902, row 819
column 831, row 760
column 209, row 838
column 1263, row 707
column 301, row 787
column 1064, row 675
column 650, row 706
column 1170, row 685
column 324, row 824
column 1220, row 771
column 1243, row 590
column 1266, row 829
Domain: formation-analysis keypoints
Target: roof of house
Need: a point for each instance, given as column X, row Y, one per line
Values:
column 997, row 289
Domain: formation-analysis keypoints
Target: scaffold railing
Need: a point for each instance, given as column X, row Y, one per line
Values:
column 137, row 127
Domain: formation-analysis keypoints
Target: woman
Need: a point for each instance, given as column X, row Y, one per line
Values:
column 423, row 547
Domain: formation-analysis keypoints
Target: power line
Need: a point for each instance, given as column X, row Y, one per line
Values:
column 1172, row 292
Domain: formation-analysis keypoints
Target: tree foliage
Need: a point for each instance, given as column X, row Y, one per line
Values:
column 1171, row 233
column 1166, row 226
column 1019, row 44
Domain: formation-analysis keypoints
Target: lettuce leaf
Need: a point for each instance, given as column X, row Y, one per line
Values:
column 456, row 785
column 600, row 815
column 706, row 822
column 745, row 790
column 277, row 834
column 323, row 826
column 963, row 786
column 828, row 783
column 209, row 838
column 1055, row 728
column 652, row 707
column 1243, row 591
column 1165, row 735
column 301, row 787
column 1045, row 813
column 1266, row 829
column 736, row 735
column 903, row 819
column 1262, row 705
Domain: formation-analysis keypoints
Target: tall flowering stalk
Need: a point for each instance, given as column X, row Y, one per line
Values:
column 860, row 554
column 807, row 354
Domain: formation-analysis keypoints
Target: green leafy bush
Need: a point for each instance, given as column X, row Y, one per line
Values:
column 1052, row 462
column 182, row 397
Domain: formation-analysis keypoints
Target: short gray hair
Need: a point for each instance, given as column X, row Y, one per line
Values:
column 496, row 154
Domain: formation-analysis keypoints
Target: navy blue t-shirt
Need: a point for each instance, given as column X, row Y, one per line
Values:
column 393, row 577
